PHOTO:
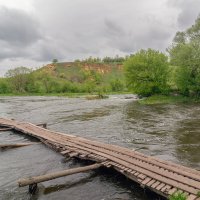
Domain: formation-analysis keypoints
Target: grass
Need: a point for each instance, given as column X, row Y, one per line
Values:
column 161, row 99
column 72, row 95
column 198, row 193
column 178, row 196
column 45, row 94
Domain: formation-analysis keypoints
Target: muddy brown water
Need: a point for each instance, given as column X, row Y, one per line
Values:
column 170, row 132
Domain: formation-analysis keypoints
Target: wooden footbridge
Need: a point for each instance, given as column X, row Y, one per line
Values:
column 162, row 177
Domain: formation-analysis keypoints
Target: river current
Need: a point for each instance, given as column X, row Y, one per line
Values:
column 170, row 132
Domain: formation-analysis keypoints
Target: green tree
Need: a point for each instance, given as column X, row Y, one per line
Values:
column 18, row 78
column 185, row 53
column 54, row 61
column 147, row 72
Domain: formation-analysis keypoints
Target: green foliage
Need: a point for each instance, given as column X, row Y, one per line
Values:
column 185, row 53
column 117, row 59
column 178, row 196
column 162, row 99
column 147, row 72
column 19, row 78
column 54, row 61
column 116, row 85
column 198, row 193
column 75, row 77
column 5, row 87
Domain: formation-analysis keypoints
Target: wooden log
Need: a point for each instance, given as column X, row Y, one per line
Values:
column 3, row 146
column 54, row 175
column 5, row 129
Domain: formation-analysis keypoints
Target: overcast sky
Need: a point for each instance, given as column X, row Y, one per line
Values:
column 33, row 32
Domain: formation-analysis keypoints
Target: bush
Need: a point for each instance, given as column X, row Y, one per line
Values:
column 178, row 196
column 4, row 86
column 116, row 85
column 147, row 73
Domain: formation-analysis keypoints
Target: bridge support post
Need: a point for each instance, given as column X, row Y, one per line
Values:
column 32, row 188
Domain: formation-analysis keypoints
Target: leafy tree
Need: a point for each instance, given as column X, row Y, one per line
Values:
column 146, row 72
column 185, row 53
column 54, row 61
column 19, row 78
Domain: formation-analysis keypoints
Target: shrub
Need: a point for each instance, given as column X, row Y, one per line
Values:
column 147, row 72
column 178, row 196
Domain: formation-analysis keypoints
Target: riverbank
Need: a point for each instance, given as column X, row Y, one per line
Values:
column 72, row 95
column 155, row 99
column 162, row 99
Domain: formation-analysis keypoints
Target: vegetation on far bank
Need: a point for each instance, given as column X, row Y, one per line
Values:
column 169, row 99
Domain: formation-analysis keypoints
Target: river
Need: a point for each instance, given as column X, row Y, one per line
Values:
column 169, row 132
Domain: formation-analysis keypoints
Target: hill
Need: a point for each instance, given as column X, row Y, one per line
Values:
column 68, row 77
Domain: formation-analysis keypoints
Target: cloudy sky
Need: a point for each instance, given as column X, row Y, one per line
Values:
column 33, row 32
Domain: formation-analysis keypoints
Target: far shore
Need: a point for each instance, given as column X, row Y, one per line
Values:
column 155, row 99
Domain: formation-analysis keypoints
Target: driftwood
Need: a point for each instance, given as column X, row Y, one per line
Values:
column 4, row 146
column 5, row 129
column 54, row 175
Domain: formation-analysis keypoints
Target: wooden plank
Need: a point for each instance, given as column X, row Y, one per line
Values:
column 164, row 179
column 150, row 182
column 136, row 173
column 173, row 167
column 65, row 152
column 160, row 186
column 166, row 188
column 142, row 176
column 146, row 180
column 155, row 169
column 155, row 184
column 73, row 154
column 192, row 197
column 168, row 181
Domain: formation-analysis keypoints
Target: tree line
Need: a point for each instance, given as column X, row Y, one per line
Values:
column 106, row 60
column 23, row 80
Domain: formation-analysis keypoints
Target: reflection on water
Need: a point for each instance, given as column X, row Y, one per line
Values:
column 170, row 132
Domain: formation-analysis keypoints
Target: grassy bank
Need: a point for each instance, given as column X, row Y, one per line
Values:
column 73, row 95
column 161, row 99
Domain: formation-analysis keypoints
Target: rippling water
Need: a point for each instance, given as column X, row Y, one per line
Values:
column 170, row 132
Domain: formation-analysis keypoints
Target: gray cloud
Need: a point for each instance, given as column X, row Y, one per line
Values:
column 188, row 11
column 67, row 29
column 18, row 28
column 19, row 32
